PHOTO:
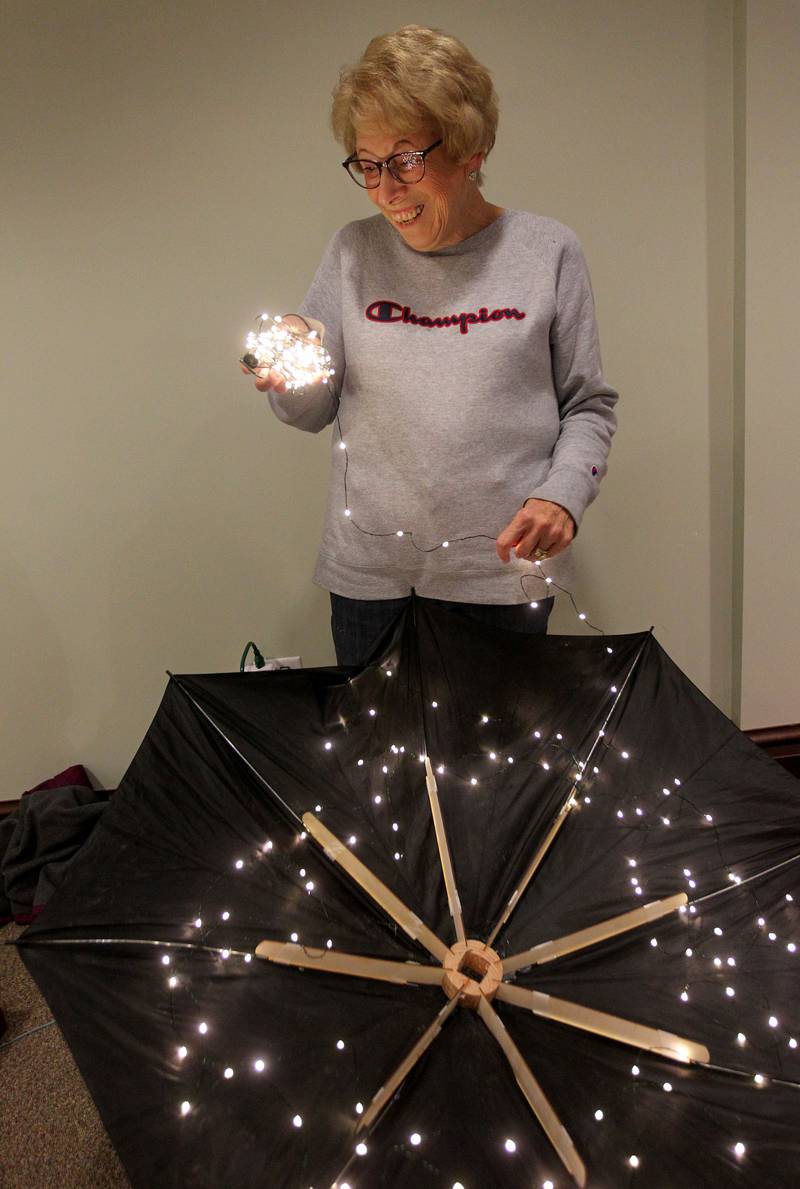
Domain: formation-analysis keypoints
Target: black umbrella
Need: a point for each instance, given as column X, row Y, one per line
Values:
column 495, row 910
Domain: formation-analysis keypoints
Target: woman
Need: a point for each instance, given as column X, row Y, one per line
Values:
column 472, row 419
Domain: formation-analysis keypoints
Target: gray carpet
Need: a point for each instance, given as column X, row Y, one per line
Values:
column 51, row 1136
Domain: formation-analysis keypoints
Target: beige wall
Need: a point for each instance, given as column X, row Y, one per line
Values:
column 167, row 172
column 770, row 394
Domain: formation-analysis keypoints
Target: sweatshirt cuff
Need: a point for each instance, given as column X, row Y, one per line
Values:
column 572, row 492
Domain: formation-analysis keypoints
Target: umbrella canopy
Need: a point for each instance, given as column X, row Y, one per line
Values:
column 495, row 910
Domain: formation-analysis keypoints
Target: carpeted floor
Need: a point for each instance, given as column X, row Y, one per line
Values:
column 50, row 1134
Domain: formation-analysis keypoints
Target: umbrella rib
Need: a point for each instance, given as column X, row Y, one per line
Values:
column 288, row 809
column 396, row 1079
column 547, row 951
column 453, row 900
column 568, row 805
column 337, row 962
column 336, row 850
column 554, row 1129
column 665, row 1044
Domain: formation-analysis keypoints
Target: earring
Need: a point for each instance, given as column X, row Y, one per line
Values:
column 473, row 177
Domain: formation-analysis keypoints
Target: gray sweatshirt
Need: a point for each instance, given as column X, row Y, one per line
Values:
column 467, row 380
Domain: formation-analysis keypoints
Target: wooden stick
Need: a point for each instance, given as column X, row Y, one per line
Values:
column 666, row 1044
column 553, row 1127
column 389, row 1087
column 546, row 951
column 336, row 850
column 535, row 863
column 336, row 962
column 453, row 900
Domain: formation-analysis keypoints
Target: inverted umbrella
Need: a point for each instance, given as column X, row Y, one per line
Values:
column 495, row 910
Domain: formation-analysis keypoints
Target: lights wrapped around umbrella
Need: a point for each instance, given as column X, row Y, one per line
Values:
column 560, row 833
column 298, row 355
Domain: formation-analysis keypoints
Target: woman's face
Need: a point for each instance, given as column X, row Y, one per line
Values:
column 433, row 213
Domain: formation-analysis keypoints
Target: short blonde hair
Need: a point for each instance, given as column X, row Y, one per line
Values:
column 415, row 76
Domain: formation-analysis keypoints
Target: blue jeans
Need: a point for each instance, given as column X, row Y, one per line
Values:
column 358, row 624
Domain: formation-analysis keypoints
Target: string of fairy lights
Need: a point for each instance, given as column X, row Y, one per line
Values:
column 706, row 961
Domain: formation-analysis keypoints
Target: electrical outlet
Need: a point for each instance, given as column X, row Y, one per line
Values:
column 273, row 663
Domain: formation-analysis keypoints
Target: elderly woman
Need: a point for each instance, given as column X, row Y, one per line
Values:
column 472, row 419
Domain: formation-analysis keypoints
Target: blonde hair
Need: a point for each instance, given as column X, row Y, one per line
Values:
column 415, row 76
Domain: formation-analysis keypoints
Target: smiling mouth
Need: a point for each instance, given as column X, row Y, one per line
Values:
column 404, row 218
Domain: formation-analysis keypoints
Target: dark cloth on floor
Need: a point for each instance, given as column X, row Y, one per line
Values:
column 39, row 841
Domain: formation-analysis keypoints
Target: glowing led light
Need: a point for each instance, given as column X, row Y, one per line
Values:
column 399, row 532
column 545, row 765
column 729, row 991
column 239, row 864
column 581, row 615
column 718, row 961
column 445, row 544
column 635, row 1070
column 385, row 770
column 248, row 957
column 302, row 872
column 294, row 937
column 613, row 689
column 631, row 862
column 361, row 1149
column 395, row 827
column 792, row 1043
column 633, row 1161
column 457, row 1185
column 685, row 996
column 790, row 897
column 397, row 855
column 666, row 792
column 267, row 846
column 310, row 885
column 739, row 1149
column 225, row 954
column 741, row 1038
column 434, row 704
column 484, row 718
column 440, row 769
column 185, row 1108
column 202, row 1027
column 625, row 755
column 509, row 759
column 183, row 1052
column 340, row 1045
column 198, row 922
column 372, row 713
column 328, row 745
column 359, row 1108
column 329, row 943
column 599, row 1116
column 772, row 936
column 172, row 982
column 473, row 780
column 537, row 734
column 226, row 916
column 297, row 1121
column 773, row 1021
column 668, row 1087
column 228, row 1073
column 415, row 1139
column 510, row 1145
column 759, row 1079
column 388, row 672
column 653, row 940
column 534, row 605
column 688, row 951
column 665, row 820
column 791, row 947
column 342, row 446
column 548, row 581
column 299, row 356
column 717, row 931
column 317, row 809
column 165, row 959
column 352, row 840
column 638, row 890
column 547, row 1185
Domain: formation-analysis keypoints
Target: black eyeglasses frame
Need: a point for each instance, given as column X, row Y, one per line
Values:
column 422, row 153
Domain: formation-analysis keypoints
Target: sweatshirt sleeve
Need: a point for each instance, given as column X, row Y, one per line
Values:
column 586, row 403
column 315, row 407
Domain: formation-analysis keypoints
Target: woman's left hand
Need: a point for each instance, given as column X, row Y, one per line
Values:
column 540, row 529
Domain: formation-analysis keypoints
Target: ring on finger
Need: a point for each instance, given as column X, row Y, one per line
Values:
column 539, row 554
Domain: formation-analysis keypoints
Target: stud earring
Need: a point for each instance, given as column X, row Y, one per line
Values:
column 473, row 176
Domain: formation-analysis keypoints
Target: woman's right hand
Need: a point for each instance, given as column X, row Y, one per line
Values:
column 271, row 379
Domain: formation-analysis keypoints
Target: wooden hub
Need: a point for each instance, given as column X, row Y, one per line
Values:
column 473, row 972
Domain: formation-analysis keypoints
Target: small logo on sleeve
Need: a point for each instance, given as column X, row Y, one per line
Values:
column 393, row 311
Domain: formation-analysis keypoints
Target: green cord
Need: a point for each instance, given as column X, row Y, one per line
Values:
column 257, row 657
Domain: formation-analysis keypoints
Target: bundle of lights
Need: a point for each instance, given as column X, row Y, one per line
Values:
column 298, row 355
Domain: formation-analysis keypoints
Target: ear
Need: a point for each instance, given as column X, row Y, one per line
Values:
column 474, row 164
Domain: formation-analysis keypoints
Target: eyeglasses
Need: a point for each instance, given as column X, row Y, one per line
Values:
column 407, row 167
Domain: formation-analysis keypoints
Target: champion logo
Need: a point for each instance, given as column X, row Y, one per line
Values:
column 393, row 311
